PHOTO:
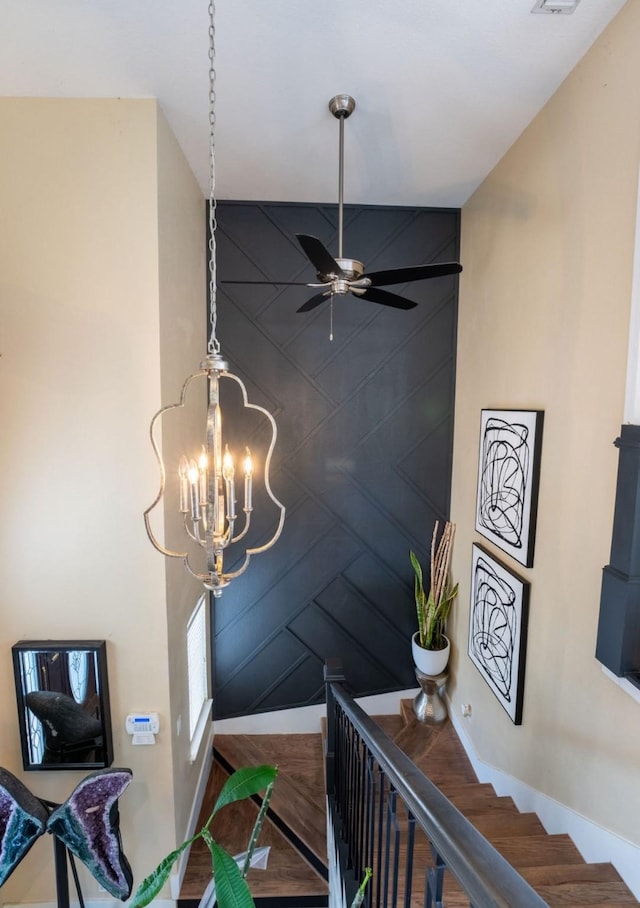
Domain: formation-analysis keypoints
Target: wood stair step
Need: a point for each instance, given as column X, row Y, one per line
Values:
column 508, row 821
column 537, row 850
column 579, row 884
column 445, row 762
column 390, row 725
column 407, row 713
column 417, row 740
column 571, row 873
column 581, row 895
column 295, row 801
column 473, row 794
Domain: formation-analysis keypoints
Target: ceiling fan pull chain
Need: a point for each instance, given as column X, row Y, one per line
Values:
column 331, row 319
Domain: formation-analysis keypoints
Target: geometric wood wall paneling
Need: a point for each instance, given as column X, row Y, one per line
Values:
column 363, row 459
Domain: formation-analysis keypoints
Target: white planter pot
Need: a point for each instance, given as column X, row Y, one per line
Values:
column 430, row 661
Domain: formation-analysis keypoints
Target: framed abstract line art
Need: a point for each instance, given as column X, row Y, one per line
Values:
column 498, row 621
column 508, row 480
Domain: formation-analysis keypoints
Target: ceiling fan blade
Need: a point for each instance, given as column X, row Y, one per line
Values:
column 386, row 299
column 417, row 273
column 313, row 302
column 320, row 258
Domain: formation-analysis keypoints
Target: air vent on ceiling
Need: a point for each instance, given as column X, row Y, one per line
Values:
column 561, row 7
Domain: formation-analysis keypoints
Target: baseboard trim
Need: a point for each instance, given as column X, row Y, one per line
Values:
column 177, row 876
column 595, row 843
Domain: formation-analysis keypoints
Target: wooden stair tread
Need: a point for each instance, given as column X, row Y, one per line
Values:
column 495, row 821
column 287, row 872
column 445, row 761
column 570, row 873
column 417, row 740
column 295, row 803
column 472, row 794
column 537, row 850
column 586, row 894
column 390, row 725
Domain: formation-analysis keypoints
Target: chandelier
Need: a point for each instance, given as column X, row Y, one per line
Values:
column 206, row 479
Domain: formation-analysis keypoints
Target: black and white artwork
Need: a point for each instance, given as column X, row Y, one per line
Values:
column 508, row 480
column 498, row 629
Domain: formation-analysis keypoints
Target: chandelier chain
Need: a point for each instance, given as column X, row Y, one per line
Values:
column 213, row 344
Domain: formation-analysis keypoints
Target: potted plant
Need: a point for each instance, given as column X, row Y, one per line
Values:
column 430, row 645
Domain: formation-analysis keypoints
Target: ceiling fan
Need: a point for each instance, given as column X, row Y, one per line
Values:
column 340, row 276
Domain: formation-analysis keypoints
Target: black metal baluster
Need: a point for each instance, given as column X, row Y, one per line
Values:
column 435, row 881
column 393, row 819
column 361, row 824
column 411, row 831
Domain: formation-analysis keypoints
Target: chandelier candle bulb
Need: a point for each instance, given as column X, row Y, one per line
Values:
column 248, row 473
column 228, row 473
column 183, row 477
column 203, row 471
column 194, row 481
column 219, row 507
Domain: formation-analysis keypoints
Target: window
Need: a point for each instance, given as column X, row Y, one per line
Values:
column 198, row 674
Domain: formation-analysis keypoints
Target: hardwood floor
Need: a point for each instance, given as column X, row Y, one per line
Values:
column 296, row 871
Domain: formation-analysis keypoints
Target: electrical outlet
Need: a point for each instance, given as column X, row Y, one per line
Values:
column 178, row 726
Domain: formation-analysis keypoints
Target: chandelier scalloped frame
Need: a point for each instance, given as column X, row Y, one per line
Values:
column 219, row 527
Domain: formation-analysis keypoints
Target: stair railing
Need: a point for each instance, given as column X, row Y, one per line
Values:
column 384, row 811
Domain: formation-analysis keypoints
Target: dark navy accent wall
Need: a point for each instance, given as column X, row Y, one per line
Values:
column 363, row 459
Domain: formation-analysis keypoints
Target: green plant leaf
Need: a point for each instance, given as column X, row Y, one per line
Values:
column 417, row 567
column 150, row 887
column 231, row 889
column 359, row 896
column 257, row 828
column 244, row 783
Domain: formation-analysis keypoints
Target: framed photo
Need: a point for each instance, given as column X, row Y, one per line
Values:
column 508, row 480
column 498, row 621
column 63, row 704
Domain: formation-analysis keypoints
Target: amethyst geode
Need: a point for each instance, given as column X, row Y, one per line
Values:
column 22, row 820
column 89, row 825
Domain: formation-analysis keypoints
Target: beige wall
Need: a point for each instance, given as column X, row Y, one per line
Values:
column 85, row 279
column 183, row 333
column 547, row 245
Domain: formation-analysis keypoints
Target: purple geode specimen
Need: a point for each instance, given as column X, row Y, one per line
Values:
column 22, row 820
column 89, row 825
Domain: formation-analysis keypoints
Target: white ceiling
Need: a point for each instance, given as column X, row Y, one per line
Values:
column 442, row 87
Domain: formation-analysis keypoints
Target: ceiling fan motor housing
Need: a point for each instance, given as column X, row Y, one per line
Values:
column 342, row 106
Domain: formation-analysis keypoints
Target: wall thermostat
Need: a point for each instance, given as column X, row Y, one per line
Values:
column 143, row 727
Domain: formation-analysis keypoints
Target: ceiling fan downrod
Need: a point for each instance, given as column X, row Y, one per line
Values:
column 341, row 106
